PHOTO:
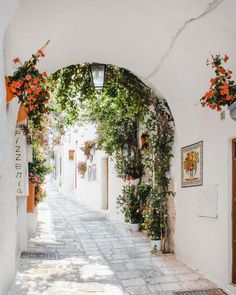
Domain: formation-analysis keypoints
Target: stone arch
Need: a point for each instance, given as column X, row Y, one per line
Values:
column 165, row 45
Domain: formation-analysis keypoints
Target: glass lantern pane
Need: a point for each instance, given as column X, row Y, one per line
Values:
column 98, row 75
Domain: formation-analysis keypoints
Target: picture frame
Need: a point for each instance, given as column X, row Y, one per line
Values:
column 192, row 165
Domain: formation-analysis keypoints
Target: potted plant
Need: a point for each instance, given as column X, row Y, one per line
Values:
column 129, row 166
column 88, row 148
column 222, row 90
column 40, row 194
column 131, row 202
column 31, row 87
column 82, row 168
column 155, row 217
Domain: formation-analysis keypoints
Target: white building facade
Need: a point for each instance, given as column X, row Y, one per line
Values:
column 166, row 45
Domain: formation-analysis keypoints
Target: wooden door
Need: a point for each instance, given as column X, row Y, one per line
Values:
column 105, row 182
column 234, row 211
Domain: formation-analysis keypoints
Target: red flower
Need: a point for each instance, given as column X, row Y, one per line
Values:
column 16, row 60
column 224, row 89
column 38, row 90
column 222, row 70
column 17, row 85
column 226, row 58
column 208, row 94
column 40, row 53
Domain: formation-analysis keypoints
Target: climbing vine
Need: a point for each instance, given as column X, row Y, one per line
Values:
column 124, row 112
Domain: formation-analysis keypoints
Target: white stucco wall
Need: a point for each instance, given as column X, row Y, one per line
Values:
column 166, row 44
column 7, row 160
column 90, row 192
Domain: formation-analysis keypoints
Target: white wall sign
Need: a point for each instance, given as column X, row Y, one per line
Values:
column 208, row 202
column 20, row 162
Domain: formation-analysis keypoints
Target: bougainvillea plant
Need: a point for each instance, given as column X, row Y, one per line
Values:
column 82, row 168
column 88, row 146
column 222, row 90
column 31, row 87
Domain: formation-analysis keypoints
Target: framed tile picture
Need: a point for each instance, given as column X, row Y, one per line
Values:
column 192, row 165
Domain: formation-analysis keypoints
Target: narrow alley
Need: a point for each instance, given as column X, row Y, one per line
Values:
column 83, row 252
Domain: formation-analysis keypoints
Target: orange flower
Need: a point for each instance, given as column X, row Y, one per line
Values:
column 208, row 94
column 17, row 85
column 36, row 81
column 222, row 70
column 226, row 58
column 224, row 89
column 38, row 90
column 40, row 53
column 16, row 60
column 212, row 81
column 28, row 77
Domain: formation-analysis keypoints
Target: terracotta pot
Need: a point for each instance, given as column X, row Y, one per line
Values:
column 30, row 198
column 9, row 93
column 22, row 114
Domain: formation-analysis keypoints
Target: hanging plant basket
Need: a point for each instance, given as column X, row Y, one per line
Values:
column 222, row 90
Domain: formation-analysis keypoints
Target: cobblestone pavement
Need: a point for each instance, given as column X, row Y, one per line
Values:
column 96, row 256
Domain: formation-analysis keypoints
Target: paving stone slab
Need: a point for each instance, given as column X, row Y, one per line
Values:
column 97, row 255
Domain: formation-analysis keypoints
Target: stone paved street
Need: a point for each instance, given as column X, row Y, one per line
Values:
column 95, row 255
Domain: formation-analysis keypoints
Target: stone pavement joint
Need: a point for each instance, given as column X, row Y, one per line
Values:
column 96, row 255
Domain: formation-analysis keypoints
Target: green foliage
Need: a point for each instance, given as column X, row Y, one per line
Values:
column 123, row 108
column 155, row 214
column 39, row 166
column 129, row 165
column 132, row 201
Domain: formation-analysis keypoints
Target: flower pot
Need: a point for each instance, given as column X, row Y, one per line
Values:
column 22, row 114
column 134, row 227
column 232, row 111
column 157, row 244
column 135, row 181
column 30, row 198
column 9, row 92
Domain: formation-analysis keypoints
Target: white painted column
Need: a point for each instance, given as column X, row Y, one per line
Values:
column 21, row 168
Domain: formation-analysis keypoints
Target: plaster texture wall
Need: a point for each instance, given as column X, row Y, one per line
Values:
column 166, row 45
column 8, row 213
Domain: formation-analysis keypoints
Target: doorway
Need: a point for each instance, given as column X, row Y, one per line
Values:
column 105, row 181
